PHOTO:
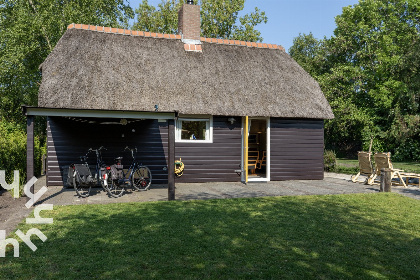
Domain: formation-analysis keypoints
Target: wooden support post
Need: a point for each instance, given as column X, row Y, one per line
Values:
column 30, row 149
column 386, row 174
column 246, row 150
column 171, row 159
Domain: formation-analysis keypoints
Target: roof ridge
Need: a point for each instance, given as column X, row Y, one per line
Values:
column 123, row 31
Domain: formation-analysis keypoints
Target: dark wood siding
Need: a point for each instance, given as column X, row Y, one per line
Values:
column 204, row 162
column 297, row 149
column 68, row 139
column 212, row 162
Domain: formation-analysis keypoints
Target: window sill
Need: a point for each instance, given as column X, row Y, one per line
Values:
column 194, row 141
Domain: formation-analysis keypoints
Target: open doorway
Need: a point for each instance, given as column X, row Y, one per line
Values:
column 258, row 149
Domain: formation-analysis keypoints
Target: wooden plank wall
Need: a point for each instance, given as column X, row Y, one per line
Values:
column 204, row 162
column 68, row 139
column 297, row 149
column 213, row 162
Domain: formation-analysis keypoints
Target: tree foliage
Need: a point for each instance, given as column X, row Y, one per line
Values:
column 30, row 29
column 369, row 73
column 13, row 151
column 219, row 19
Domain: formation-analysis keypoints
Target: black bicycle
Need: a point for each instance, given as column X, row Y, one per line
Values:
column 81, row 177
column 115, row 178
column 140, row 177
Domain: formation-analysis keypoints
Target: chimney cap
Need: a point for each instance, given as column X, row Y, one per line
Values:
column 190, row 2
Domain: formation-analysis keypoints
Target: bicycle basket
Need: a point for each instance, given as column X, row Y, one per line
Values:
column 117, row 171
column 83, row 174
column 70, row 176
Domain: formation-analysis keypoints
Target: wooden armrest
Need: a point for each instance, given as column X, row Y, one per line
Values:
column 397, row 170
column 411, row 175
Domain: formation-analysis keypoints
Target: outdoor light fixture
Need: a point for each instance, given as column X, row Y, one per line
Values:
column 156, row 107
column 232, row 120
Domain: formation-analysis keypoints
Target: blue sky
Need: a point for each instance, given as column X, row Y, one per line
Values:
column 288, row 18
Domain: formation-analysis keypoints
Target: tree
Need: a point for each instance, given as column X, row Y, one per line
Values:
column 369, row 73
column 219, row 19
column 307, row 51
column 30, row 29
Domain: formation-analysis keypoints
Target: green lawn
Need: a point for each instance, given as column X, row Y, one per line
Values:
column 360, row 236
column 351, row 166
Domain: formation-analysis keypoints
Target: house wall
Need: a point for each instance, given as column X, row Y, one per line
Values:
column 297, row 148
column 212, row 162
column 68, row 139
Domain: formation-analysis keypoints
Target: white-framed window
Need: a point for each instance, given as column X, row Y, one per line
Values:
column 198, row 129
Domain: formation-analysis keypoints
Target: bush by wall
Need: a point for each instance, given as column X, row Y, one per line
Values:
column 13, row 151
column 330, row 161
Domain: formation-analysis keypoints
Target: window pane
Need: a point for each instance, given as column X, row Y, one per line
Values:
column 193, row 130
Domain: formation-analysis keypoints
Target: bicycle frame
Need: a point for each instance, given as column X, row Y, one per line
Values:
column 133, row 165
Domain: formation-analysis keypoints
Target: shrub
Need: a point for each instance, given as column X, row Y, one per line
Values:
column 409, row 150
column 13, row 151
column 330, row 160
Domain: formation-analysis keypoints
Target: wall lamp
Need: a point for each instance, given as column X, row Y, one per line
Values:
column 231, row 120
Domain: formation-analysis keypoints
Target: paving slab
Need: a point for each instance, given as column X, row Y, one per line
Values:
column 332, row 184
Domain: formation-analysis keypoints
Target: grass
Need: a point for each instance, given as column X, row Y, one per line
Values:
column 351, row 166
column 358, row 236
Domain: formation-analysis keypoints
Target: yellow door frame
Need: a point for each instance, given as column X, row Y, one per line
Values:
column 245, row 141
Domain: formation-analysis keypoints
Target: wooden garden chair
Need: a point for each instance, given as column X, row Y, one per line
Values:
column 365, row 168
column 407, row 176
column 252, row 160
column 261, row 162
column 383, row 160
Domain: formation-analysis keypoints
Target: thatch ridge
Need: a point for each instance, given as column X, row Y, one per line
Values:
column 170, row 36
column 97, row 70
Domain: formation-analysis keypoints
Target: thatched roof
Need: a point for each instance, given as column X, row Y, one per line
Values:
column 99, row 70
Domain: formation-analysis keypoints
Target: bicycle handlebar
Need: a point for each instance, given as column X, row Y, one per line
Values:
column 131, row 150
column 85, row 157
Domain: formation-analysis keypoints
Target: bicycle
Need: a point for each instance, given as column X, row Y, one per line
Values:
column 140, row 177
column 80, row 175
column 115, row 178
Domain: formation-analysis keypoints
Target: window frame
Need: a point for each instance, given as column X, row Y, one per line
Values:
column 209, row 128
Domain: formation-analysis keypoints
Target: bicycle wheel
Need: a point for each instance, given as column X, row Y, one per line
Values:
column 82, row 191
column 141, row 178
column 113, row 188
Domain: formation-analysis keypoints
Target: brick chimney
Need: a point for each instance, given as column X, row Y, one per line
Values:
column 189, row 25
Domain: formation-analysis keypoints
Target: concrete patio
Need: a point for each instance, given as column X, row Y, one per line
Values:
column 332, row 184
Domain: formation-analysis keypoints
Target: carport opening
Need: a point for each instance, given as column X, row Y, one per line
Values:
column 70, row 138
